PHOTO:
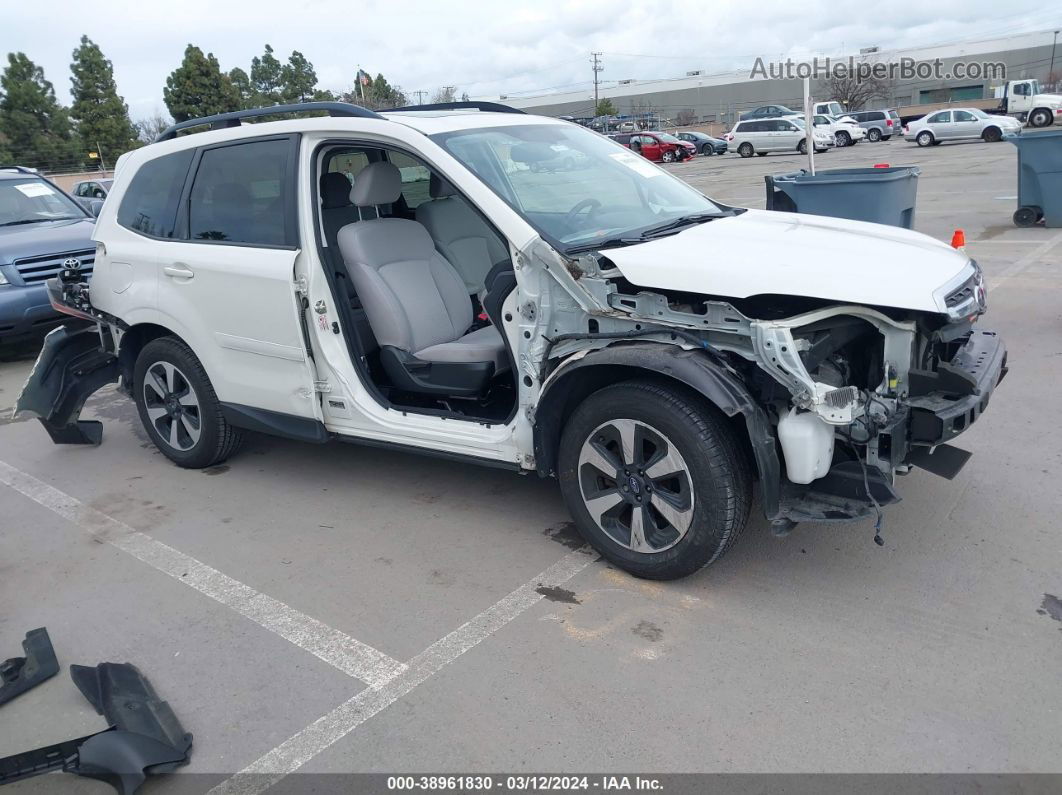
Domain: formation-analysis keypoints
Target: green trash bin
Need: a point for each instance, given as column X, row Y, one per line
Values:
column 1039, row 178
column 879, row 195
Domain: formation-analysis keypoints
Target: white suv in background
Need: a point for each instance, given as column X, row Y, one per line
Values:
column 763, row 136
column 845, row 130
column 411, row 279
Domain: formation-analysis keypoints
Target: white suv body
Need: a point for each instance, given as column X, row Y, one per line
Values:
column 845, row 130
column 785, row 134
column 652, row 349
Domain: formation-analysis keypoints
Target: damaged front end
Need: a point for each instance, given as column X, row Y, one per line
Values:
column 76, row 360
column 837, row 398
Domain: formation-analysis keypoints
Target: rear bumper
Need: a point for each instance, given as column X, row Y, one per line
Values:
column 25, row 309
column 71, row 366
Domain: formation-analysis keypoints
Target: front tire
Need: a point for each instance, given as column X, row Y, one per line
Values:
column 802, row 147
column 992, row 135
column 668, row 156
column 1040, row 118
column 178, row 406
column 654, row 478
column 843, row 139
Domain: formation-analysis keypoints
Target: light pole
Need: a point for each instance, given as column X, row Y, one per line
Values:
column 1051, row 71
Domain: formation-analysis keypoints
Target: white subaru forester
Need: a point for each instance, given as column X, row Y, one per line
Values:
column 428, row 279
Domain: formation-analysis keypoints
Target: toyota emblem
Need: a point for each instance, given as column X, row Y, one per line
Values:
column 72, row 264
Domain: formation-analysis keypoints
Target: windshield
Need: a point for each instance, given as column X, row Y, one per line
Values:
column 979, row 113
column 671, row 139
column 31, row 201
column 613, row 192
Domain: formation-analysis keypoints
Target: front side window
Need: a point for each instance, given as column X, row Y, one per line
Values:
column 962, row 115
column 32, row 201
column 149, row 205
column 240, row 194
column 614, row 192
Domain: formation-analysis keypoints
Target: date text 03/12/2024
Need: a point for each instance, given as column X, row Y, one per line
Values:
column 523, row 783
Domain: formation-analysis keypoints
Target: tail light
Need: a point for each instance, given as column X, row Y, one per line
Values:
column 888, row 122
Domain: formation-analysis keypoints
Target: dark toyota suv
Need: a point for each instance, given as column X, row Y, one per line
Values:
column 41, row 231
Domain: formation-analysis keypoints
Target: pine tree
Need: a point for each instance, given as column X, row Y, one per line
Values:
column 384, row 95
column 102, row 116
column 298, row 79
column 199, row 88
column 242, row 83
column 265, row 77
column 36, row 129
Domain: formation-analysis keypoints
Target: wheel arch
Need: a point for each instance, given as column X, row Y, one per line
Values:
column 691, row 372
column 133, row 341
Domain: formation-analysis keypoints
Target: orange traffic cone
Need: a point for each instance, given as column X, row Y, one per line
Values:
column 958, row 239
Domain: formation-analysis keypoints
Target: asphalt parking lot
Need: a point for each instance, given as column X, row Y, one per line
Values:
column 328, row 609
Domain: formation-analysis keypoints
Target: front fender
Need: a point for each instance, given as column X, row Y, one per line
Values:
column 574, row 379
column 71, row 366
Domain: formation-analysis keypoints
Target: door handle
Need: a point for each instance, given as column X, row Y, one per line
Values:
column 178, row 271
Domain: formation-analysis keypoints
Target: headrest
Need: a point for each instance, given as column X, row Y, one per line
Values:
column 335, row 190
column 377, row 183
column 439, row 187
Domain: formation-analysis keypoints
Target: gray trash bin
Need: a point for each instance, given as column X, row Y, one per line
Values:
column 1039, row 177
column 878, row 195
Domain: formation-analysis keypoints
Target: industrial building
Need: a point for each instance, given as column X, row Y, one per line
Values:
column 721, row 97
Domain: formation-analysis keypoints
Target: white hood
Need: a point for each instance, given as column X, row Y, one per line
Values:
column 761, row 252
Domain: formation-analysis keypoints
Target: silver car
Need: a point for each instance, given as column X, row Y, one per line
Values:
column 960, row 124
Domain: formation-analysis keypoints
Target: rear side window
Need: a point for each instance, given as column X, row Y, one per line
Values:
column 240, row 195
column 149, row 205
column 415, row 179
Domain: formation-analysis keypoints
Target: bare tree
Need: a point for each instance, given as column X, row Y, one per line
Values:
column 148, row 129
column 444, row 94
column 685, row 117
column 854, row 93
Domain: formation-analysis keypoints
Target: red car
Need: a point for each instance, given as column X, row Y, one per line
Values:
column 658, row 146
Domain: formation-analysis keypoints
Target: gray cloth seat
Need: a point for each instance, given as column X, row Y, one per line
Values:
column 416, row 302
column 460, row 234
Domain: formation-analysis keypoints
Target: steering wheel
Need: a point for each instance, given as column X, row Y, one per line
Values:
column 592, row 204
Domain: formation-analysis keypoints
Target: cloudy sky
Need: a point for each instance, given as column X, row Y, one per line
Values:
column 487, row 48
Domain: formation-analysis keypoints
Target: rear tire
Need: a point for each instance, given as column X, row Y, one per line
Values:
column 746, row 150
column 178, row 406
column 924, row 138
column 874, row 135
column 654, row 478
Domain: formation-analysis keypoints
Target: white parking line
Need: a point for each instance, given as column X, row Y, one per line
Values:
column 1024, row 262
column 336, row 648
column 294, row 752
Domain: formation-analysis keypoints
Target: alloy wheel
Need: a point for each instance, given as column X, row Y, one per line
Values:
column 636, row 485
column 172, row 406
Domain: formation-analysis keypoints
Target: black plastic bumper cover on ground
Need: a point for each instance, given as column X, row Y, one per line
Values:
column 72, row 365
column 144, row 736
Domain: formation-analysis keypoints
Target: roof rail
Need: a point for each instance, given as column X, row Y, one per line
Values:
column 20, row 169
column 222, row 120
column 485, row 106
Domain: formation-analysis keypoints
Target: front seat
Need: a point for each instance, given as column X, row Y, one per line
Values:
column 460, row 234
column 417, row 304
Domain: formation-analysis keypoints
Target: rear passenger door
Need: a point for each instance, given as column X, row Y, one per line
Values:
column 228, row 280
